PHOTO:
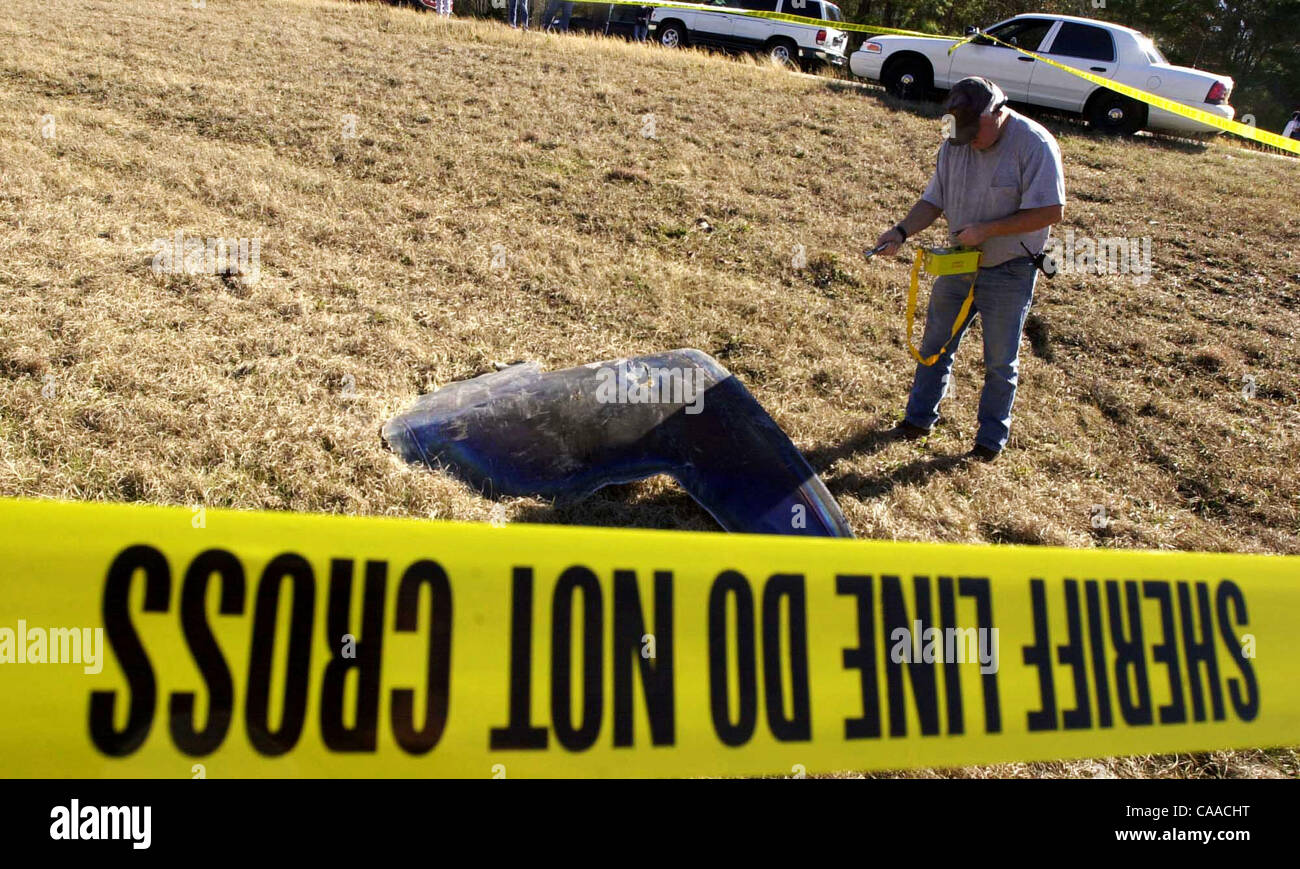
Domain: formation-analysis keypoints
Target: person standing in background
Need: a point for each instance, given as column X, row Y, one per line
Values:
column 548, row 16
column 641, row 29
column 519, row 13
column 564, row 8
column 1292, row 130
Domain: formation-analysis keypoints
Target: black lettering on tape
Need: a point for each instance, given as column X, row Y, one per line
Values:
column 1097, row 640
column 1130, row 656
column 862, row 657
column 920, row 674
column 1200, row 651
column 1245, row 704
column 519, row 733
column 951, row 668
column 978, row 587
column 732, row 584
column 1039, row 654
column 657, row 672
column 367, row 661
column 1072, row 653
column 581, row 737
column 438, row 679
column 1166, row 651
column 261, row 654
column 207, row 654
column 126, row 644
column 797, row 726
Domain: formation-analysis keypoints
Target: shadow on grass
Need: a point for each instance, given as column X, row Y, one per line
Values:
column 622, row 506
column 865, row 487
column 864, row 442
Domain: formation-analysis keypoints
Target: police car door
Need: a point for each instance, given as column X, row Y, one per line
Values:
column 1007, row 67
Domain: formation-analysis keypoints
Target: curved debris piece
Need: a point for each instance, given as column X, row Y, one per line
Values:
column 565, row 434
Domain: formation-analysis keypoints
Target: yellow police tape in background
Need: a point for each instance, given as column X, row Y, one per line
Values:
column 155, row 641
column 1237, row 128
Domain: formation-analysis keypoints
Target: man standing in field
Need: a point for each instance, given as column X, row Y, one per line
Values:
column 1000, row 184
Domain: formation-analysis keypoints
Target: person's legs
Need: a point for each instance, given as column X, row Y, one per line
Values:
column 548, row 16
column 930, row 383
column 1004, row 295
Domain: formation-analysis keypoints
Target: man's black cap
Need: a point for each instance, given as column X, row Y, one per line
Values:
column 968, row 99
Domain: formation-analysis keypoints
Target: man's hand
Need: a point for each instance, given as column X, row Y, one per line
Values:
column 1025, row 220
column 973, row 236
column 892, row 240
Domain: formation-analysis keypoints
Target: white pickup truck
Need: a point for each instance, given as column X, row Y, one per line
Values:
column 911, row 66
column 787, row 43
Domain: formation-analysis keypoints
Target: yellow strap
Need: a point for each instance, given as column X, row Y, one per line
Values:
column 911, row 311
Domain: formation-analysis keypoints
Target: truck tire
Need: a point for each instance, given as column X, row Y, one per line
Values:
column 909, row 78
column 783, row 52
column 1115, row 114
column 672, row 35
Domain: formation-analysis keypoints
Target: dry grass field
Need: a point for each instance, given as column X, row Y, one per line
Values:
column 434, row 197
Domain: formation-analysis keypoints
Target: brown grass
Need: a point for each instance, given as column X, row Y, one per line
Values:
column 377, row 280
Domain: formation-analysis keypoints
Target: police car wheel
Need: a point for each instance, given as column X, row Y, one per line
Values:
column 1116, row 115
column 909, row 78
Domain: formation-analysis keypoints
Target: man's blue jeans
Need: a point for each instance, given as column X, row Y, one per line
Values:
column 519, row 13
column 1003, row 294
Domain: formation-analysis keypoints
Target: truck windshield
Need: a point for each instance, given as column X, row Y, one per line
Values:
column 832, row 12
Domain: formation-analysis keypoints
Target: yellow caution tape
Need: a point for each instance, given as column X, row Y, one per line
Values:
column 173, row 642
column 926, row 257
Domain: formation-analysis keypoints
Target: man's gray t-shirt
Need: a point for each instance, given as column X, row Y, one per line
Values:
column 1022, row 170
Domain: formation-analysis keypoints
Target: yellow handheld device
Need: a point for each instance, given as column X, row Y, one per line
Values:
column 951, row 260
column 939, row 261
